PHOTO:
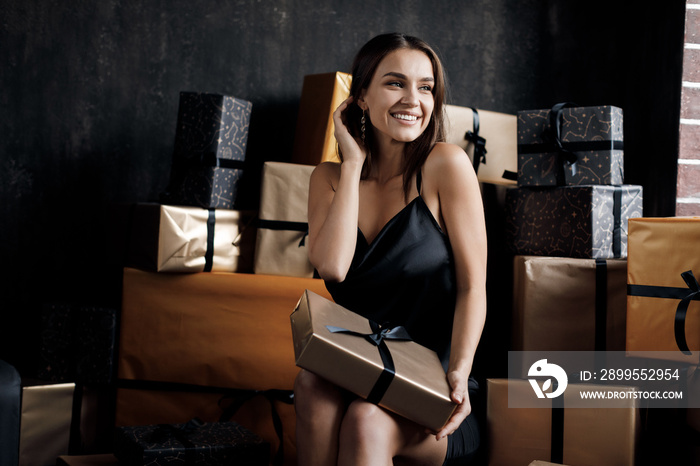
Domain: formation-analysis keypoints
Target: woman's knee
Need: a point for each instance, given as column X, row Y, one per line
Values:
column 312, row 392
column 365, row 422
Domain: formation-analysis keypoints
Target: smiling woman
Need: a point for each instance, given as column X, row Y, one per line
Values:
column 397, row 232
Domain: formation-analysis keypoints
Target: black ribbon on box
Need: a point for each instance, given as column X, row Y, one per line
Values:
column 281, row 225
column 377, row 338
column 686, row 295
column 478, row 141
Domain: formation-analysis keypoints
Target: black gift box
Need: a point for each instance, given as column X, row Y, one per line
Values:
column 588, row 222
column 209, row 152
column 211, row 126
column 206, row 187
column 566, row 146
column 193, row 443
column 78, row 343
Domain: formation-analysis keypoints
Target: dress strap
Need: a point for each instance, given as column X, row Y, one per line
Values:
column 418, row 181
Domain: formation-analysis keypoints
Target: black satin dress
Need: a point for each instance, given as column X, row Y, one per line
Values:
column 406, row 276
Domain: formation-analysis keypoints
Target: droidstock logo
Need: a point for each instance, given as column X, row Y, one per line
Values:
column 542, row 368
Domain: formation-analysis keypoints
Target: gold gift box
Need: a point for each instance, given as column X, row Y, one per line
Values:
column 314, row 140
column 280, row 248
column 45, row 422
column 167, row 238
column 659, row 251
column 419, row 390
column 213, row 330
column 500, row 130
column 591, row 437
column 554, row 304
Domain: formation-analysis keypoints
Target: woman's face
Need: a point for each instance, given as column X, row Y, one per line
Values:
column 399, row 99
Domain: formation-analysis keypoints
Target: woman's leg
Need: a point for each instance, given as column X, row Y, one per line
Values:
column 370, row 435
column 320, row 407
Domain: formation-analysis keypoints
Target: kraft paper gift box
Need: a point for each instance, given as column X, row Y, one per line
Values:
column 45, row 425
column 201, row 334
column 490, row 139
column 280, row 247
column 192, row 443
column 591, row 436
column 592, row 137
column 167, row 238
column 419, row 389
column 565, row 304
column 663, row 302
column 587, row 222
column 321, row 94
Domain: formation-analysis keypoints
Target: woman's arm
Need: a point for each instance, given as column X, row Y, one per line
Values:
column 462, row 212
column 333, row 206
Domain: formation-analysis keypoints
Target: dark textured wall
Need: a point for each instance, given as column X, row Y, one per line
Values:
column 89, row 94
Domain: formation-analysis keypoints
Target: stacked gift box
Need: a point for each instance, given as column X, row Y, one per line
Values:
column 208, row 287
column 566, row 227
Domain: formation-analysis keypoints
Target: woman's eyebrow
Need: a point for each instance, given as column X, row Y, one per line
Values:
column 403, row 76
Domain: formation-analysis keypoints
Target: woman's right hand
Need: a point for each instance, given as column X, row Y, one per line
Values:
column 353, row 149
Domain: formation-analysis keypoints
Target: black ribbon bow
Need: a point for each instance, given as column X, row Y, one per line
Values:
column 478, row 141
column 378, row 338
column 552, row 135
column 682, row 310
column 686, row 295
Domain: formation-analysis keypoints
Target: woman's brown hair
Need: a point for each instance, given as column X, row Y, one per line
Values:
column 365, row 64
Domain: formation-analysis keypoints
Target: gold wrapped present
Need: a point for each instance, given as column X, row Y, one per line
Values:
column 590, row 436
column 45, row 425
column 380, row 365
column 663, row 302
column 187, row 339
column 167, row 238
column 321, row 94
column 283, row 221
column 490, row 139
column 567, row 304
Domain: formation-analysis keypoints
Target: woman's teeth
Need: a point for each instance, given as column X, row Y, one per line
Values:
column 405, row 117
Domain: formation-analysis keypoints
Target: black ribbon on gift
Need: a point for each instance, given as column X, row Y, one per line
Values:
column 377, row 338
column 478, row 141
column 209, row 159
column 686, row 295
column 617, row 222
column 241, row 396
column 553, row 135
column 557, row 435
column 209, row 254
column 281, row 225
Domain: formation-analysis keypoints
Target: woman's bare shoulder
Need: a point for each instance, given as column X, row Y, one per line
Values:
column 445, row 159
column 328, row 172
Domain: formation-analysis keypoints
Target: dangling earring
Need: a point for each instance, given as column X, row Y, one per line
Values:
column 362, row 127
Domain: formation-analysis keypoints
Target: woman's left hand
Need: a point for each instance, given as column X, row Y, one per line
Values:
column 460, row 395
